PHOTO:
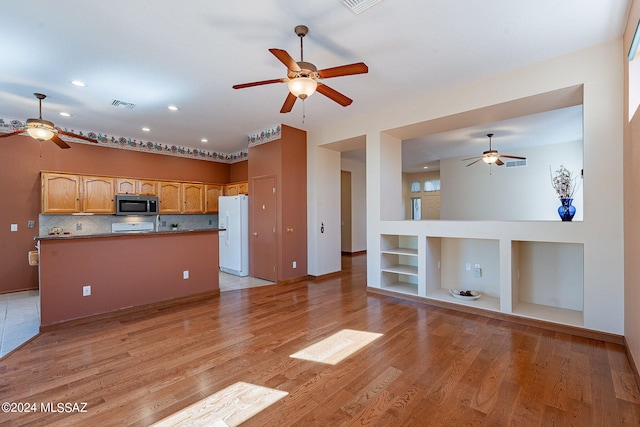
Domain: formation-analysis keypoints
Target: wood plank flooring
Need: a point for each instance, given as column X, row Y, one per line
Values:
column 431, row 366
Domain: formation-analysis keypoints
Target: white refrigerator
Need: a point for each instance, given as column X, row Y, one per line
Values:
column 233, row 217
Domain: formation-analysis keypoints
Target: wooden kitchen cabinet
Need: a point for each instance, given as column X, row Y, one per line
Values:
column 211, row 194
column 193, row 198
column 236, row 188
column 126, row 186
column 60, row 193
column 98, row 195
column 170, row 197
column 145, row 187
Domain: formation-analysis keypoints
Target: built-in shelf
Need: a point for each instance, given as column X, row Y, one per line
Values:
column 399, row 263
column 541, row 280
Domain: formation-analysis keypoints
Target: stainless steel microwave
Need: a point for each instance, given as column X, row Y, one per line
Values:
column 127, row 204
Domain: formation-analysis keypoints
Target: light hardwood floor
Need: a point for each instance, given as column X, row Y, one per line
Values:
column 431, row 366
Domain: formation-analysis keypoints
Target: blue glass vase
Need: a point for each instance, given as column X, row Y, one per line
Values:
column 566, row 211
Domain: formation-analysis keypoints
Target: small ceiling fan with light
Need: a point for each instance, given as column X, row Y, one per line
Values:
column 491, row 156
column 44, row 130
column 303, row 78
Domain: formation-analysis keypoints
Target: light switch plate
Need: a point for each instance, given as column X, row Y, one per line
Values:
column 14, row 227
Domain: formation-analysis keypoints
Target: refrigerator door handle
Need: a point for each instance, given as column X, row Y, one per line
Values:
column 227, row 234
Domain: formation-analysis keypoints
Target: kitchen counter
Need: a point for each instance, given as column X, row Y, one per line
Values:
column 122, row 270
column 127, row 233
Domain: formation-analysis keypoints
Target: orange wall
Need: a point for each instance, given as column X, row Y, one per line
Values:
column 149, row 269
column 239, row 171
column 22, row 160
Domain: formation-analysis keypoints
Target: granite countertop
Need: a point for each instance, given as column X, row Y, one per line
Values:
column 130, row 233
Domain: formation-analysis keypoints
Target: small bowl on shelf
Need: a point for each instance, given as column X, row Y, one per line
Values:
column 464, row 295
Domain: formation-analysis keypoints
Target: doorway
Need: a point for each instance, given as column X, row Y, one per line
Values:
column 263, row 250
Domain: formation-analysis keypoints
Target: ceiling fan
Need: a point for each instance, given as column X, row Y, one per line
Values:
column 43, row 130
column 303, row 77
column 491, row 156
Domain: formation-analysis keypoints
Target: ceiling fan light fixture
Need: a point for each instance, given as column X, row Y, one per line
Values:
column 490, row 157
column 302, row 87
column 40, row 129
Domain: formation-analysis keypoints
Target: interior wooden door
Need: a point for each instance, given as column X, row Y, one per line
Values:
column 263, row 249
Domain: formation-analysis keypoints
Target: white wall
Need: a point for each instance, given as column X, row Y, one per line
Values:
column 358, row 203
column 480, row 192
column 598, row 70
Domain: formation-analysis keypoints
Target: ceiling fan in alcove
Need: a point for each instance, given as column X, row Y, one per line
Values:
column 491, row 156
column 44, row 130
column 303, row 77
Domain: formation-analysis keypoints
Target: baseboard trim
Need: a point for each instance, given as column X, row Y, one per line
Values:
column 632, row 362
column 154, row 306
column 556, row 327
column 326, row 276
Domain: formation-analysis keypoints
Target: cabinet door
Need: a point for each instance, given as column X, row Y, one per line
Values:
column 125, row 186
column 212, row 192
column 231, row 190
column 98, row 195
column 243, row 188
column 60, row 193
column 193, row 197
column 170, row 197
column 146, row 187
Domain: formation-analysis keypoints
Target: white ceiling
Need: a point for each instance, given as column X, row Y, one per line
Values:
column 161, row 52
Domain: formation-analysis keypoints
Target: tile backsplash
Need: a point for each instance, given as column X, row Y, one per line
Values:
column 101, row 224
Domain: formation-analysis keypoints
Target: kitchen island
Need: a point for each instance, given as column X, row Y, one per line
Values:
column 123, row 270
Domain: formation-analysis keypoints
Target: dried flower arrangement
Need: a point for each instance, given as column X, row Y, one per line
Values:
column 564, row 182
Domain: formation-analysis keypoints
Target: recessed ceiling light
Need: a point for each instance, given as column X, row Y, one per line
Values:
column 172, row 108
column 78, row 83
column 425, row 167
column 65, row 114
column 146, row 129
column 204, row 140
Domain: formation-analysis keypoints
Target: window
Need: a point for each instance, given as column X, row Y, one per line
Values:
column 415, row 187
column 431, row 185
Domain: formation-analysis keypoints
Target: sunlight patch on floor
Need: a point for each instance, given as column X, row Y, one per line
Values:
column 337, row 347
column 228, row 407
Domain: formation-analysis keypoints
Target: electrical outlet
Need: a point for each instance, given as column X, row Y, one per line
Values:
column 86, row 291
column 31, row 224
column 467, row 266
column 477, row 272
column 295, row 265
column 78, row 227
column 185, row 274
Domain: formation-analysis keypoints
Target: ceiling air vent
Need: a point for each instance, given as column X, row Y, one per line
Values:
column 122, row 104
column 359, row 6
column 515, row 163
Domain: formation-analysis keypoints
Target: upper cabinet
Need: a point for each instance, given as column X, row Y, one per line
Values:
column 98, row 195
column 236, row 188
column 170, row 195
column 60, row 193
column 193, row 198
column 211, row 194
column 70, row 193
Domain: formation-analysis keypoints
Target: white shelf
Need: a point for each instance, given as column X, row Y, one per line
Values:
column 485, row 301
column 548, row 313
column 402, row 287
column 409, row 270
column 400, row 251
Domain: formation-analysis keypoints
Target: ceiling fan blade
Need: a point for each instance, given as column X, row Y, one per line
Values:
column 471, row 158
column 262, row 82
column 499, row 162
column 513, row 157
column 73, row 135
column 60, row 143
column 288, row 103
column 334, row 95
column 4, row 135
column 286, row 59
column 344, row 70
column 473, row 163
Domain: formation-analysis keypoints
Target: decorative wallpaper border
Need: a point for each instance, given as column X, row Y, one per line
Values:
column 269, row 134
column 12, row 125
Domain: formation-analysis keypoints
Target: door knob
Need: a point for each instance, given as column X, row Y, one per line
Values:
column 255, row 234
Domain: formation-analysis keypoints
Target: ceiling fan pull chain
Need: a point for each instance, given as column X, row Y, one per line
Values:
column 303, row 111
